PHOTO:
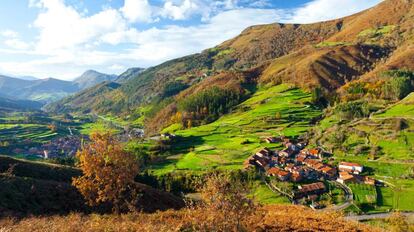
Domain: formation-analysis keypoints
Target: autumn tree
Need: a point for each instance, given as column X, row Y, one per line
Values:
column 52, row 127
column 225, row 203
column 108, row 174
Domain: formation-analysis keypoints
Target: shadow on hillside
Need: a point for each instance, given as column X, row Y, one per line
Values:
column 185, row 144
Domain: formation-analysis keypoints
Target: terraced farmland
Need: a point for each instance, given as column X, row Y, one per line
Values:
column 34, row 132
column 227, row 142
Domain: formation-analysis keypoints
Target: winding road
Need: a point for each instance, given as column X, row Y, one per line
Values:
column 375, row 216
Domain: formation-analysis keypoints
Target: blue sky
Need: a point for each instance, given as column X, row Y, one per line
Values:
column 63, row 38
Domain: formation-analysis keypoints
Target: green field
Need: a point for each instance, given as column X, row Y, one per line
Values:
column 364, row 194
column 264, row 195
column 227, row 142
column 404, row 108
column 34, row 132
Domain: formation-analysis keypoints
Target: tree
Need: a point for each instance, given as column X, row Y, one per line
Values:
column 52, row 127
column 278, row 115
column 226, row 200
column 108, row 174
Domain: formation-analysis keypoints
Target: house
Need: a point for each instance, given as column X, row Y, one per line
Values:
column 289, row 167
column 329, row 171
column 310, row 189
column 273, row 171
column 264, row 152
column 312, row 163
column 283, row 175
column 272, row 140
column 284, row 154
column 249, row 163
column 314, row 152
column 368, row 180
column 262, row 162
column 350, row 167
column 279, row 173
column 300, row 158
column 296, row 177
column 346, row 178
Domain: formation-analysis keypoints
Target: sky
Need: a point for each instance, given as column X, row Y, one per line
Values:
column 64, row 38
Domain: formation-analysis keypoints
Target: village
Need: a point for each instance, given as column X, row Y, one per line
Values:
column 58, row 147
column 308, row 169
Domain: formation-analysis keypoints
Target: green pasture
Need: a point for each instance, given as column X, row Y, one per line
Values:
column 227, row 142
column 33, row 132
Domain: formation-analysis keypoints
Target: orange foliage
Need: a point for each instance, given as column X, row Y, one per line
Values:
column 108, row 173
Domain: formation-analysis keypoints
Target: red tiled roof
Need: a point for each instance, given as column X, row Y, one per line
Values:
column 314, row 152
column 350, row 164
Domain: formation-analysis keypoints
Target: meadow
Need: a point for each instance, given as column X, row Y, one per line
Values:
column 227, row 142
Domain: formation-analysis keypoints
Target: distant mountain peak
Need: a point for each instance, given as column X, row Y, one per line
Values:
column 92, row 77
column 129, row 74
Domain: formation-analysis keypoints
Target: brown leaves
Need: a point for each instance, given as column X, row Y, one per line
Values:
column 108, row 173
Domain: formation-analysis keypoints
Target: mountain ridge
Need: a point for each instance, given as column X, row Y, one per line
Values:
column 317, row 55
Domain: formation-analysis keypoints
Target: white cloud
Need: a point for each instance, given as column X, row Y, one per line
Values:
column 138, row 11
column 181, row 11
column 322, row 10
column 71, row 41
column 16, row 44
column 117, row 67
column 9, row 34
column 61, row 26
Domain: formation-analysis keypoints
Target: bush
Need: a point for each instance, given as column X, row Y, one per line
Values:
column 108, row 174
column 399, row 85
column 351, row 110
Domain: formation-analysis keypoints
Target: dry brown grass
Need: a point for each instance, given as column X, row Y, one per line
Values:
column 270, row 218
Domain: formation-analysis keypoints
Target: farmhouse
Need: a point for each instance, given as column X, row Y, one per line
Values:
column 329, row 171
column 368, row 180
column 350, row 167
column 296, row 177
column 279, row 173
column 272, row 140
column 310, row 189
column 346, row 178
column 264, row 152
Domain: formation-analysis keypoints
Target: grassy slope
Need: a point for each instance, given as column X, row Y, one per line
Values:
column 227, row 142
column 395, row 164
column 272, row 218
column 404, row 108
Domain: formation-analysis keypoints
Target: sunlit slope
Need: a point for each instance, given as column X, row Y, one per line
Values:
column 227, row 142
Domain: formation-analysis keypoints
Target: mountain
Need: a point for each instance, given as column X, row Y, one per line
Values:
column 326, row 56
column 28, row 78
column 42, row 90
column 128, row 74
column 51, row 191
column 8, row 104
column 49, row 89
column 91, row 78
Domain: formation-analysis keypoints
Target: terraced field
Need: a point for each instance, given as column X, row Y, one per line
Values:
column 34, row 132
column 227, row 142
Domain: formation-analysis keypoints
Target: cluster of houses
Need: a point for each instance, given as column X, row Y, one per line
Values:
column 296, row 163
column 59, row 147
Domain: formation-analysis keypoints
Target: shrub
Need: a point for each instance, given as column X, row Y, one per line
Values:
column 351, row 110
column 108, row 174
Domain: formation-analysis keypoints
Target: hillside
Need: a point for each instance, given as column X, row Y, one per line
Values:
column 21, row 105
column 41, row 90
column 91, row 78
column 34, row 188
column 129, row 74
column 274, row 218
column 321, row 53
column 49, row 89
